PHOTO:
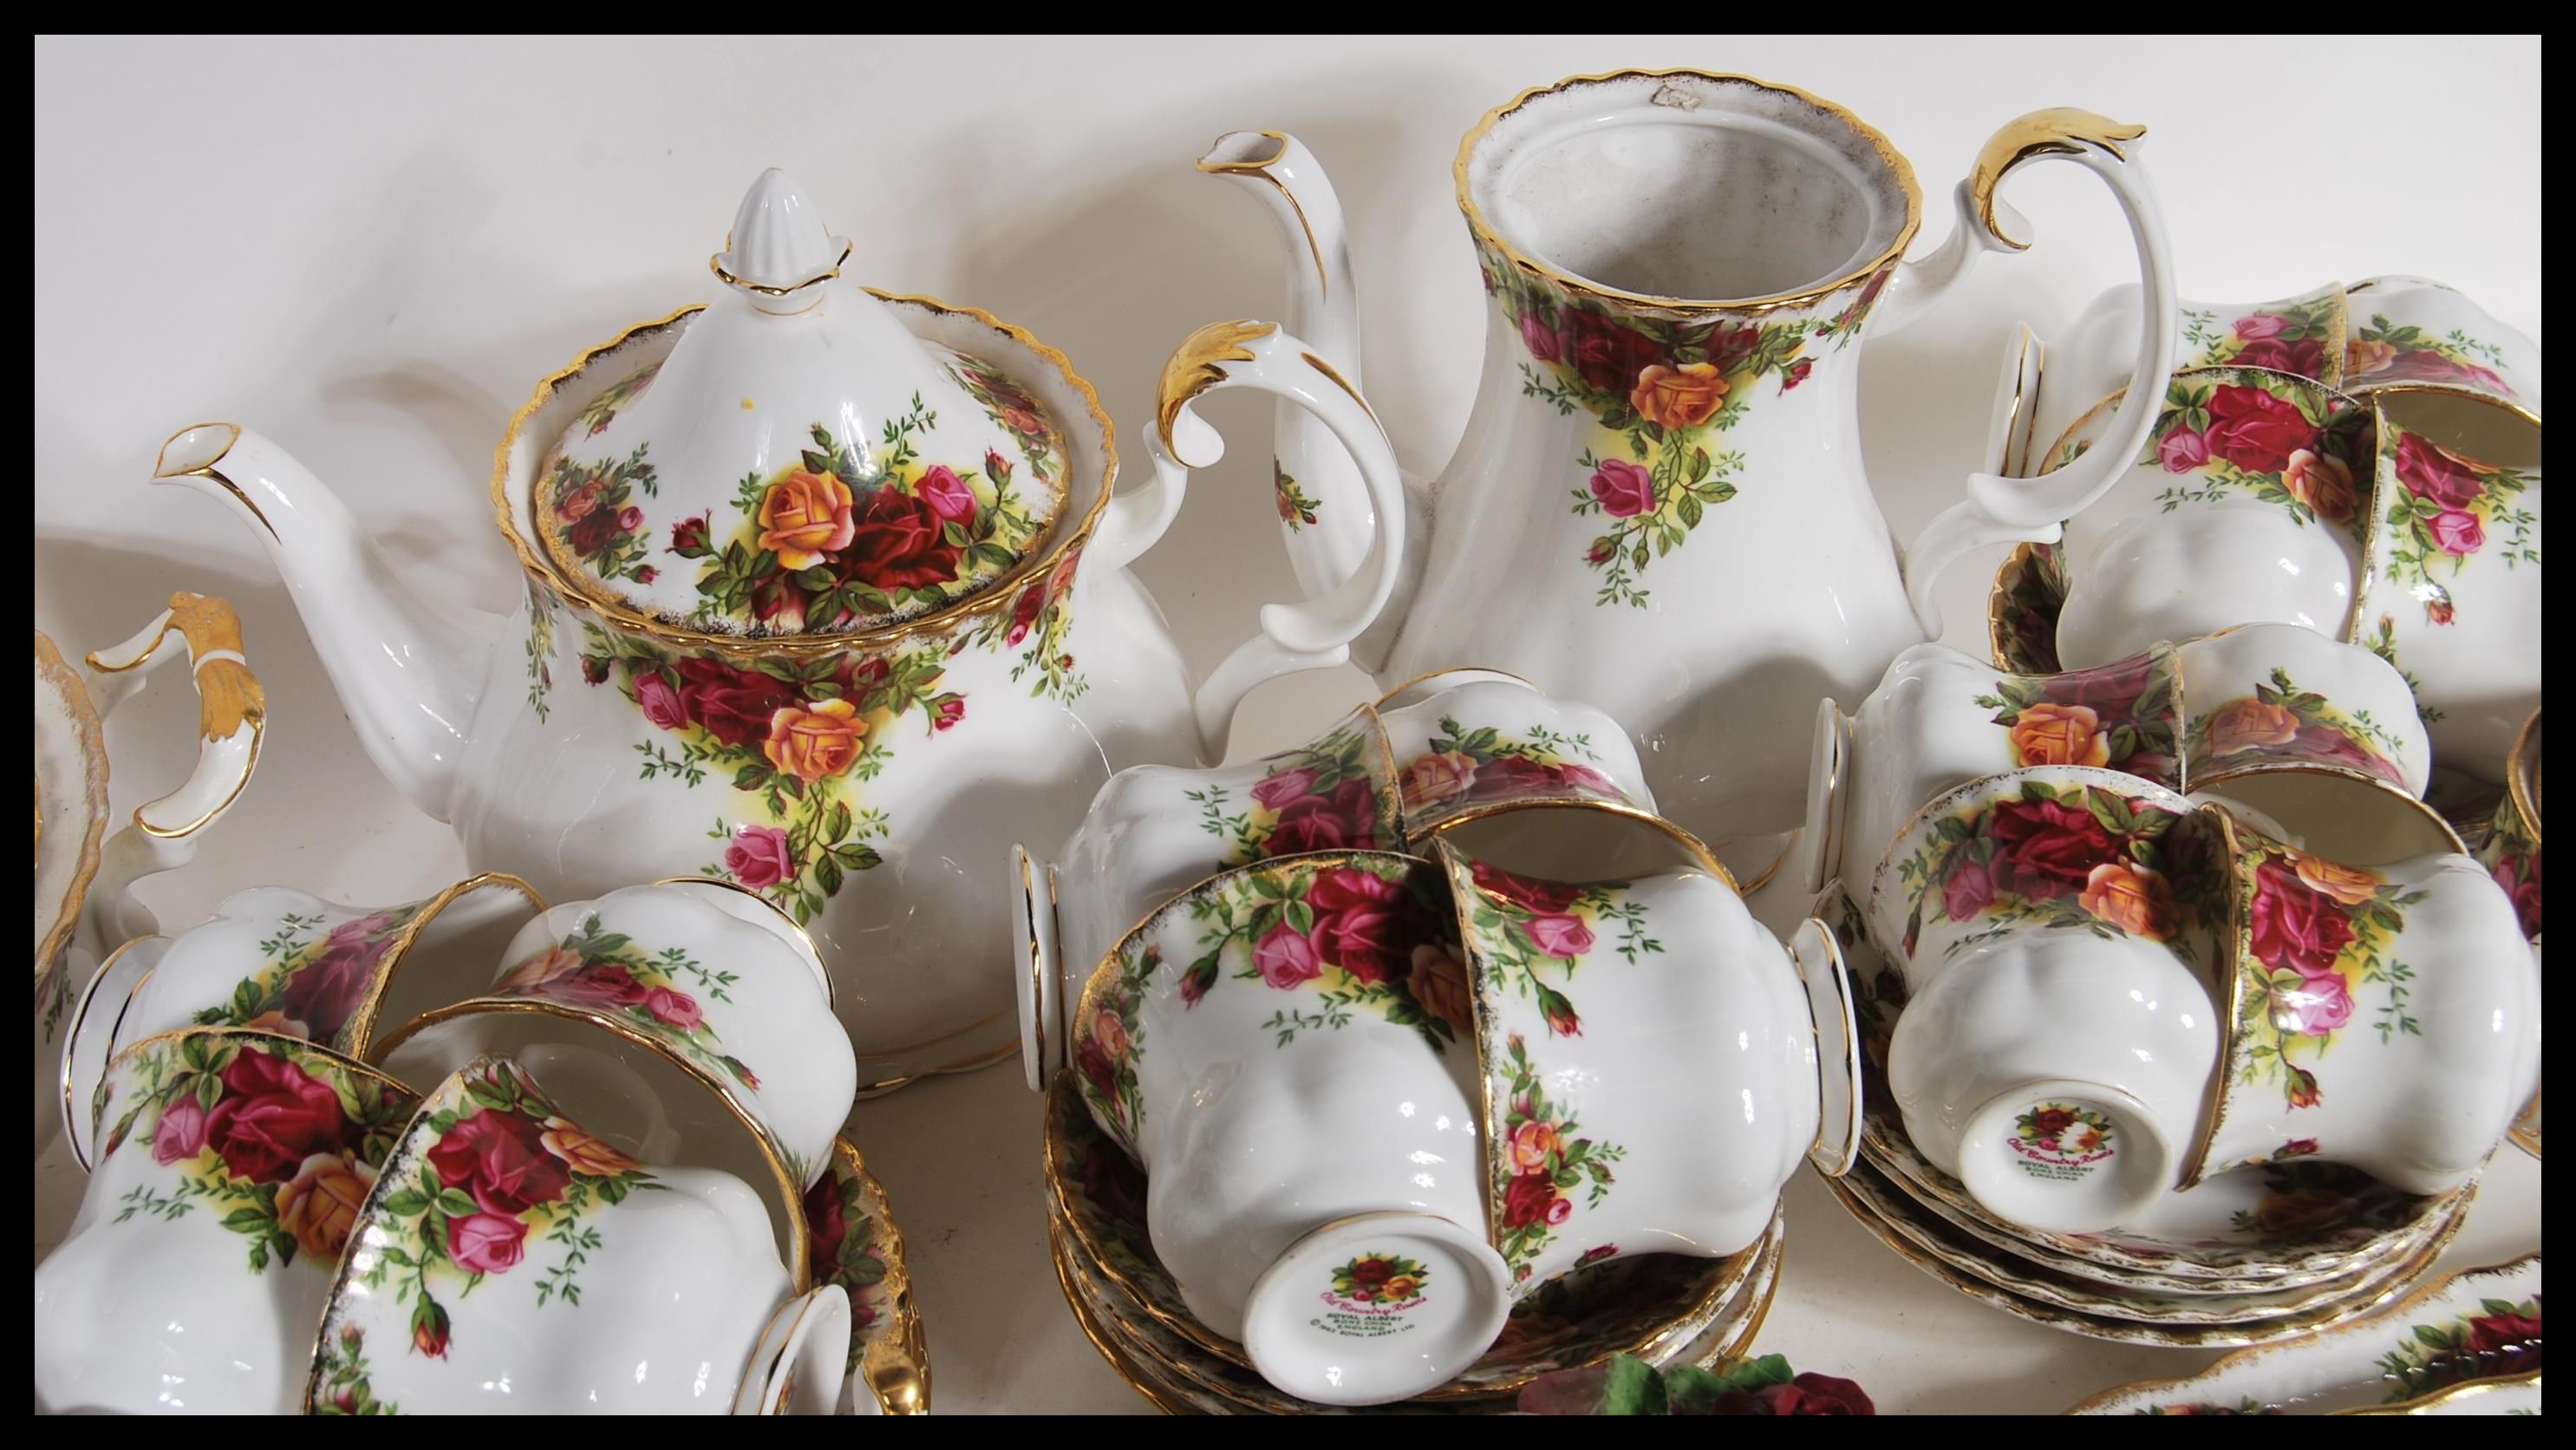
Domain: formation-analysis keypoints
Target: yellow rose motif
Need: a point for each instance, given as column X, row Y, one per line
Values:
column 2251, row 725
column 2361, row 357
column 584, row 1153
column 2347, row 884
column 814, row 741
column 2134, row 899
column 276, row 1021
column 1531, row 1144
column 319, row 1206
column 1439, row 985
column 804, row 516
column 1399, row 1289
column 2051, row 734
column 1681, row 397
column 1437, row 778
column 2323, row 482
column 540, row 969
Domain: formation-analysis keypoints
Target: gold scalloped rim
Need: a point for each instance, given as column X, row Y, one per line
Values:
column 52, row 669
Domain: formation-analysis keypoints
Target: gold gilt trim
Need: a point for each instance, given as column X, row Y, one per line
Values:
column 161, row 469
column 1088, row 1318
column 1343, row 383
column 2439, row 1401
column 2056, row 131
column 1260, row 168
column 625, row 618
column 1428, row 675
column 77, row 1019
column 229, row 696
column 1691, row 845
column 895, row 1366
column 2229, row 965
column 715, row 264
column 1898, row 166
column 358, row 1034
column 1193, row 367
column 784, row 916
column 53, row 670
column 2522, row 776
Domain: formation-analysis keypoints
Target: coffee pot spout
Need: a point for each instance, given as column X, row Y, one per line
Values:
column 407, row 673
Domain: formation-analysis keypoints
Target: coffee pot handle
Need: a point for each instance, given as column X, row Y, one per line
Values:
column 1999, row 509
column 1316, row 633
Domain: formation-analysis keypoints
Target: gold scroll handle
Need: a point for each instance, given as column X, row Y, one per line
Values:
column 229, row 696
column 1197, row 365
column 2057, row 131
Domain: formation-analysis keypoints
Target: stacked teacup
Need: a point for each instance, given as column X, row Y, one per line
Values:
column 2197, row 1020
column 464, row 1155
column 1416, row 1060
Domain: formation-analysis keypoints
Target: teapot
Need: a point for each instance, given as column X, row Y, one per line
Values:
column 1658, row 504
column 826, row 596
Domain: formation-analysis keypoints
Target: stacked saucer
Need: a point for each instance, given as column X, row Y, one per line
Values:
column 1663, row 1308
column 2248, row 1256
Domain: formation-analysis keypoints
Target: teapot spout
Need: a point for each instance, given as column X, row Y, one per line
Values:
column 407, row 674
column 1322, row 500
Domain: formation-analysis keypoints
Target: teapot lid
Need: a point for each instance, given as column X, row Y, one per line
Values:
column 800, row 462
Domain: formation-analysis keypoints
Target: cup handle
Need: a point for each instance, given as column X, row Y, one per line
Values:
column 2000, row 509
column 1317, row 633
column 232, row 716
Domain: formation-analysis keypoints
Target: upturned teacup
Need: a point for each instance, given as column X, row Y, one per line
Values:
column 508, row 1259
column 230, row 1169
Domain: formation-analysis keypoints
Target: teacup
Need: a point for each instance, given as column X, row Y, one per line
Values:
column 510, row 1260
column 1288, row 1049
column 1465, row 741
column 2453, row 597
column 703, row 993
column 1656, row 1064
column 280, row 960
column 2418, row 971
column 230, row 1173
column 2511, row 853
column 2250, row 503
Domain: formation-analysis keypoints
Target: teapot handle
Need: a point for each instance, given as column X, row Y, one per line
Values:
column 1317, row 633
column 232, row 716
column 1999, row 509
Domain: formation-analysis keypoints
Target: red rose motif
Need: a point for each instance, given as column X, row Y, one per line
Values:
column 1623, row 489
column 759, row 856
column 2052, row 1123
column 272, row 1116
column 1558, row 935
column 780, row 604
column 826, row 1223
column 672, row 1009
column 2458, row 533
column 1365, row 924
column 429, row 1328
column 1369, row 1273
column 1116, row 1188
column 1526, row 892
column 2298, row 1148
column 689, row 538
column 2260, row 326
column 2523, row 886
column 2044, row 849
column 1286, row 958
column 2306, row 357
column 324, row 992
column 950, row 500
column 2303, row 1090
column 733, row 705
column 1808, row 1394
column 1540, row 339
column 2438, row 609
column 2431, row 471
column 486, row 1243
column 1345, row 819
column 2182, row 450
column 1970, row 889
column 1591, row 782
column 1796, row 374
column 647, row 574
column 898, row 543
column 1606, row 353
column 1278, row 789
column 1601, row 552
column 1559, row 1013
column 2255, row 430
column 1024, row 612
column 2498, row 1333
column 2329, row 746
column 946, row 711
column 1531, row 1198
column 2295, row 927
column 603, row 986
column 499, row 1159
column 2424, row 365
column 660, row 701
column 1098, row 1065
column 594, row 670
column 1511, row 775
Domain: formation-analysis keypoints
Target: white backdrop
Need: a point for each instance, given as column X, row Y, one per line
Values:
column 371, row 250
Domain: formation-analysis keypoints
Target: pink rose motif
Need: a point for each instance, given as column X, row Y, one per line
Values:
column 2183, row 450
column 181, row 1134
column 630, row 518
column 2261, row 325
column 1285, row 959
column 758, row 856
column 2431, row 471
column 1540, row 339
column 1623, row 489
column 1589, row 781
column 1970, row 889
column 1560, row 936
column 1276, row 791
column 2458, row 533
column 946, row 711
column 947, row 495
column 661, row 702
column 2315, row 1007
column 486, row 1243
column 674, row 1009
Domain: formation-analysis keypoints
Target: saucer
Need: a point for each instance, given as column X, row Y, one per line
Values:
column 1644, row 1306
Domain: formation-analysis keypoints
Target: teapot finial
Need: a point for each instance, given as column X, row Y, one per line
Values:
column 779, row 251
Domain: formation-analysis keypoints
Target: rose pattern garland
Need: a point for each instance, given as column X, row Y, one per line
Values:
column 1522, row 927
column 2512, row 856
column 340, row 1385
column 2502, row 1338
column 1389, row 1281
column 490, row 1174
column 279, row 1138
column 2310, row 1203
column 607, row 972
column 1540, row 1159
column 2055, row 1132
column 2281, row 724
column 2120, row 715
column 1296, row 510
column 1464, row 767
column 845, row 1243
column 2265, row 436
column 2446, row 509
column 590, row 507
column 2313, row 931
column 1659, row 391
column 2302, row 336
column 2051, row 854
column 309, row 983
column 2383, row 352
column 1324, row 796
